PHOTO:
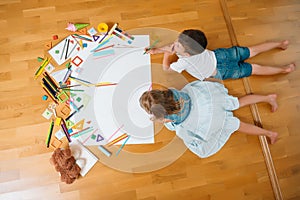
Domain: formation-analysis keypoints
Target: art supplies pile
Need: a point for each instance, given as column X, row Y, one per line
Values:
column 70, row 87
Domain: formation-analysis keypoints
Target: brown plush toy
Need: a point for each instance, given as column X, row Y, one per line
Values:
column 65, row 164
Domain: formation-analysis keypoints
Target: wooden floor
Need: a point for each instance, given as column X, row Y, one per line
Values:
column 238, row 171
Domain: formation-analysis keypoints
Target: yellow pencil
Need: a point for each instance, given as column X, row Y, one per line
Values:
column 41, row 68
column 117, row 139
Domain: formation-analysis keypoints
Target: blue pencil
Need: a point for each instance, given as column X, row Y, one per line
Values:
column 122, row 146
column 80, row 80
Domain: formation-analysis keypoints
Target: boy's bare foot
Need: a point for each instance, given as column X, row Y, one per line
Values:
column 289, row 68
column 284, row 44
column 272, row 101
column 273, row 136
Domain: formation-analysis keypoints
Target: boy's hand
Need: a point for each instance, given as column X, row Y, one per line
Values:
column 151, row 51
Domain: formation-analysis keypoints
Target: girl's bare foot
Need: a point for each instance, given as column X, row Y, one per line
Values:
column 273, row 136
column 289, row 68
column 272, row 101
column 284, row 44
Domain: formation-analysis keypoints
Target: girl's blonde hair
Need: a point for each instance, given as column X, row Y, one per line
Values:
column 159, row 103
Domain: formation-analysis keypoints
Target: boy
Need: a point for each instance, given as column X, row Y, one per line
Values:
column 222, row 63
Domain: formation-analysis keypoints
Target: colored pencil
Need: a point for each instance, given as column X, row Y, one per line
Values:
column 66, row 56
column 104, row 84
column 68, row 86
column 49, row 94
column 83, row 132
column 49, row 88
column 53, row 82
column 72, row 90
column 67, row 75
column 115, row 132
column 80, row 82
column 148, row 49
column 89, row 136
column 50, row 133
column 106, row 34
column 73, row 105
column 80, row 131
column 100, row 45
column 41, row 68
column 84, row 38
column 80, row 79
column 104, row 48
column 122, row 146
column 65, row 130
column 62, row 53
column 117, row 139
column 72, row 50
column 73, row 113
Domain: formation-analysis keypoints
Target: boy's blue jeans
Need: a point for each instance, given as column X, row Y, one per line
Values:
column 230, row 63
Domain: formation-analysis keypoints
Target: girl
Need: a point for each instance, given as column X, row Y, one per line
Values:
column 201, row 114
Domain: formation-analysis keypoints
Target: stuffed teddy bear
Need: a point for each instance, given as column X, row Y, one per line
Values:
column 65, row 164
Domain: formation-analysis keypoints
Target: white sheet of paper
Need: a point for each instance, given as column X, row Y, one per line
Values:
column 84, row 158
column 114, row 106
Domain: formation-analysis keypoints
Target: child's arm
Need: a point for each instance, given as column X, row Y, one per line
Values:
column 166, row 61
column 213, row 80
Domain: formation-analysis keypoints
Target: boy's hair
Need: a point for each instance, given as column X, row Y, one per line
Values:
column 159, row 103
column 194, row 41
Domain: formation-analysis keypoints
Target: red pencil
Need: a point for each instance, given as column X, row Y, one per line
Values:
column 104, row 48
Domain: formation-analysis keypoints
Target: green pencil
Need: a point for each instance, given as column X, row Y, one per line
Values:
column 148, row 49
column 50, row 133
column 75, row 90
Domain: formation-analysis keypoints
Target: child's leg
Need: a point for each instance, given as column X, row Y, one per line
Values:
column 254, row 98
column 255, row 130
column 256, row 49
column 269, row 70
